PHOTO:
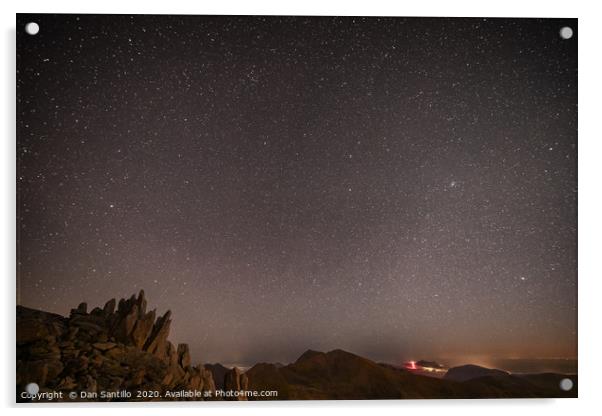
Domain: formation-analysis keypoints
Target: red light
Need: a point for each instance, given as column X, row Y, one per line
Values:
column 411, row 365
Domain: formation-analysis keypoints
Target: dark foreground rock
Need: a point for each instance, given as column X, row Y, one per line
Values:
column 119, row 347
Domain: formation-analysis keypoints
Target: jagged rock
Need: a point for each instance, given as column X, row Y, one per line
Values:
column 108, row 349
column 131, row 324
column 142, row 328
column 219, row 373
column 171, row 354
column 125, row 322
column 82, row 309
column 82, row 322
column 72, row 333
column 141, row 303
column 109, row 307
column 208, row 383
column 115, row 353
column 196, row 378
column 175, row 374
column 138, row 377
column 232, row 379
column 196, row 382
column 236, row 381
column 183, row 355
column 97, row 311
column 156, row 343
column 168, row 379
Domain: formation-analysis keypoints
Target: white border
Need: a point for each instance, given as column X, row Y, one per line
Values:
column 590, row 286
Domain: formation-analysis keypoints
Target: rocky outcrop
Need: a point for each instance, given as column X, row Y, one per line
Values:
column 118, row 347
column 236, row 381
column 183, row 355
column 219, row 374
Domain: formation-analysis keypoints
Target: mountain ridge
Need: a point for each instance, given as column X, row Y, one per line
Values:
column 340, row 374
column 122, row 346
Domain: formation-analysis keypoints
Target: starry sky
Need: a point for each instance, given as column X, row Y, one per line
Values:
column 401, row 188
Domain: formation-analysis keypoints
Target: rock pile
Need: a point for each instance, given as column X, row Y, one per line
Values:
column 114, row 348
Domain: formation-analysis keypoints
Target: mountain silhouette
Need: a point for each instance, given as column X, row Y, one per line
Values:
column 471, row 371
column 122, row 346
column 343, row 375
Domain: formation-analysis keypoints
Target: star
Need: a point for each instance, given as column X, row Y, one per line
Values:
column 334, row 174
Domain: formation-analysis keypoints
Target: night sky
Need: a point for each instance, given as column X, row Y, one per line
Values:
column 401, row 188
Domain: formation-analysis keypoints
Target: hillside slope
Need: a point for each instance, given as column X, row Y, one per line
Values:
column 342, row 375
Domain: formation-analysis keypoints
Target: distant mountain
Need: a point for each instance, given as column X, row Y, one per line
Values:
column 122, row 347
column 342, row 375
column 309, row 355
column 471, row 371
column 334, row 375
